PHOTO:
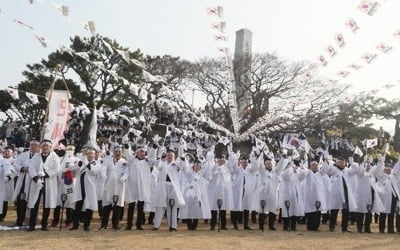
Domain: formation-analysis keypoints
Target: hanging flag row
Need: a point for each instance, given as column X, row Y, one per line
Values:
column 366, row 6
column 64, row 11
column 218, row 26
column 369, row 57
column 33, row 98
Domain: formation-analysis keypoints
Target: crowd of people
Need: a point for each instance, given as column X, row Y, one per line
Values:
column 188, row 181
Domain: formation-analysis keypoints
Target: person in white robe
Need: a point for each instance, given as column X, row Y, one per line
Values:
column 291, row 199
column 220, row 186
column 196, row 197
column 168, row 196
column 6, row 180
column 315, row 199
column 389, row 195
column 114, row 188
column 268, row 190
column 84, row 197
column 66, row 183
column 341, row 195
column 22, row 186
column 367, row 197
column 138, row 185
column 244, row 190
column 43, row 169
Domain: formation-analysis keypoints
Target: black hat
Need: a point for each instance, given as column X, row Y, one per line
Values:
column 196, row 161
column 244, row 158
column 7, row 148
column 222, row 157
column 267, row 159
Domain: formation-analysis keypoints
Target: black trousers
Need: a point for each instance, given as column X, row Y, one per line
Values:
column 363, row 220
column 21, row 204
column 313, row 220
column 325, row 218
column 35, row 210
column 5, row 209
column 214, row 218
column 271, row 220
column 246, row 215
column 77, row 214
column 57, row 215
column 253, row 217
column 236, row 217
column 21, row 211
column 115, row 217
column 333, row 219
column 390, row 218
column 192, row 223
column 140, row 218
column 289, row 222
column 151, row 218
column 100, row 208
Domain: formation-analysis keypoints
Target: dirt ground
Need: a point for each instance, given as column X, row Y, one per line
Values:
column 203, row 238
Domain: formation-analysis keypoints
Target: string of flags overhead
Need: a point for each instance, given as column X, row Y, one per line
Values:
column 64, row 10
column 369, row 8
column 218, row 26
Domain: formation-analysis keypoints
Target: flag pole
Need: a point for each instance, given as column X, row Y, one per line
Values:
column 58, row 68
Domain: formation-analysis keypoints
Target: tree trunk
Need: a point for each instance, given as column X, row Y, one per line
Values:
column 396, row 137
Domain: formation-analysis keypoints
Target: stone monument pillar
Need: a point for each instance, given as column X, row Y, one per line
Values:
column 241, row 64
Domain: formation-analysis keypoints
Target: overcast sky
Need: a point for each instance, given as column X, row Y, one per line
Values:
column 293, row 29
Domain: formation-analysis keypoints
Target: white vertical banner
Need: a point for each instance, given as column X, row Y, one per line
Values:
column 58, row 116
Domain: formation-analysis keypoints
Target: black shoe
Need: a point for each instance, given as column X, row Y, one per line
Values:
column 155, row 229
column 212, row 228
column 139, row 228
column 31, row 229
column 73, row 228
column 172, row 229
column 87, row 229
column 116, row 228
column 346, row 231
column 128, row 228
column 224, row 228
column 247, row 228
column 44, row 228
column 102, row 228
column 235, row 226
column 272, row 228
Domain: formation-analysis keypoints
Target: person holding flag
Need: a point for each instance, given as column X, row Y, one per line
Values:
column 66, row 182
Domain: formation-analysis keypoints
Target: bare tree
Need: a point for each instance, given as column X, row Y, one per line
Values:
column 283, row 95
